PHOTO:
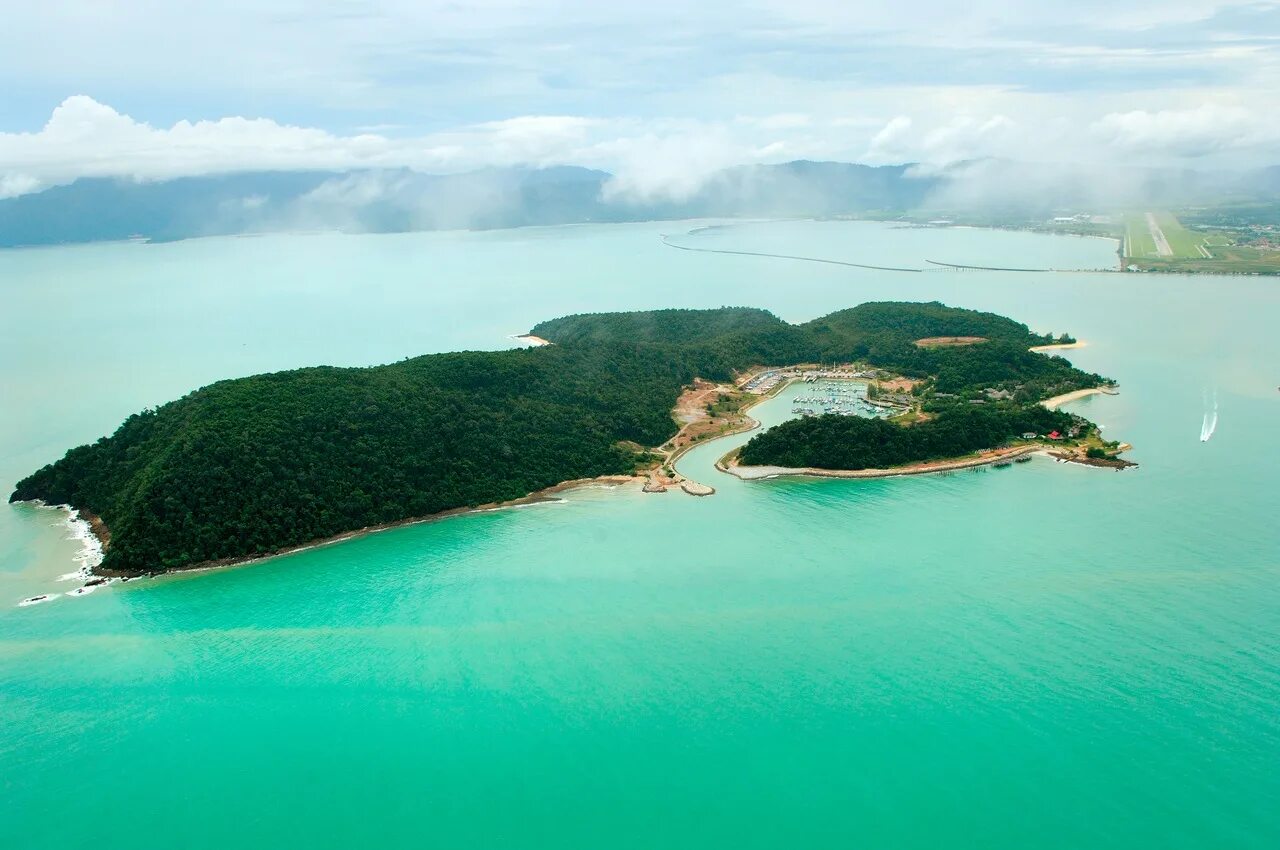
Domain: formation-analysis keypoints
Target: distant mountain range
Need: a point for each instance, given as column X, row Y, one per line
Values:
column 386, row 201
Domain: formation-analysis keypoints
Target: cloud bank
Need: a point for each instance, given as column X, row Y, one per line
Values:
column 659, row 93
column 650, row 160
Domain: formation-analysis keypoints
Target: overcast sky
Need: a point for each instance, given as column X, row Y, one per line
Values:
column 660, row 92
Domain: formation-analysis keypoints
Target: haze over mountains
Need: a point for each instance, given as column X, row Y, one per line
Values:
column 400, row 200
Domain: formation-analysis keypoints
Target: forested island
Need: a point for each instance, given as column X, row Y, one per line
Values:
column 853, row 443
column 253, row 466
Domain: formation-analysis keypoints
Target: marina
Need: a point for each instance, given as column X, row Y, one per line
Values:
column 838, row 391
column 837, row 397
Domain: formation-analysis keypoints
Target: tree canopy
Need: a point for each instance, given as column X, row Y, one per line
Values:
column 852, row 442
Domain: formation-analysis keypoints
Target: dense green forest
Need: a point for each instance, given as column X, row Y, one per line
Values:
column 851, row 442
column 267, row 462
column 258, row 464
column 716, row 342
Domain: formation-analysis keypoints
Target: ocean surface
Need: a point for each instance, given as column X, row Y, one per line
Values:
column 1045, row 656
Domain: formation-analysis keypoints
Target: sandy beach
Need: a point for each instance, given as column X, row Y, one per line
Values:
column 750, row 473
column 1058, row 346
column 1059, row 400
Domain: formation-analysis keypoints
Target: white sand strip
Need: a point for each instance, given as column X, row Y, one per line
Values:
column 1059, row 400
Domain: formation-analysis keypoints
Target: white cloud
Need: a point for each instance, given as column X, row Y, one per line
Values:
column 535, row 138
column 927, row 21
column 892, row 140
column 658, row 92
column 962, row 137
column 662, row 157
column 779, row 121
column 967, row 136
column 1205, row 130
column 13, row 185
column 674, row 166
column 84, row 138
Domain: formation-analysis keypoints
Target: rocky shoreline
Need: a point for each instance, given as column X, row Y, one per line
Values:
column 1116, row 463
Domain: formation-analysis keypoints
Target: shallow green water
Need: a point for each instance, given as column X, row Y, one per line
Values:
column 1045, row 655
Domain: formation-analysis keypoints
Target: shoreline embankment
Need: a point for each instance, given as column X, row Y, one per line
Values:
column 755, row 473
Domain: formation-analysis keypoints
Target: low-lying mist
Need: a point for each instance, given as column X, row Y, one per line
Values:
column 400, row 200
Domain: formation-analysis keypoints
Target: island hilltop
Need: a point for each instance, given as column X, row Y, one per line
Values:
column 254, row 466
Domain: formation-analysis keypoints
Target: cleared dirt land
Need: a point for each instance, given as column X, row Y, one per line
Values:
column 947, row 341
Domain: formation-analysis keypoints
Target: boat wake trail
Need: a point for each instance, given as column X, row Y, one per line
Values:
column 666, row 240
column 1210, row 423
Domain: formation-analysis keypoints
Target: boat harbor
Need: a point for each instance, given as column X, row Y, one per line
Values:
column 765, row 381
column 833, row 397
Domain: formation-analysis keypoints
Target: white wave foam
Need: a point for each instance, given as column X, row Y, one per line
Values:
column 1213, row 426
column 90, row 554
column 36, row 600
column 1210, row 423
column 523, row 505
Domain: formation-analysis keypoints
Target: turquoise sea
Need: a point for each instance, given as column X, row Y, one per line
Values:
column 1040, row 656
